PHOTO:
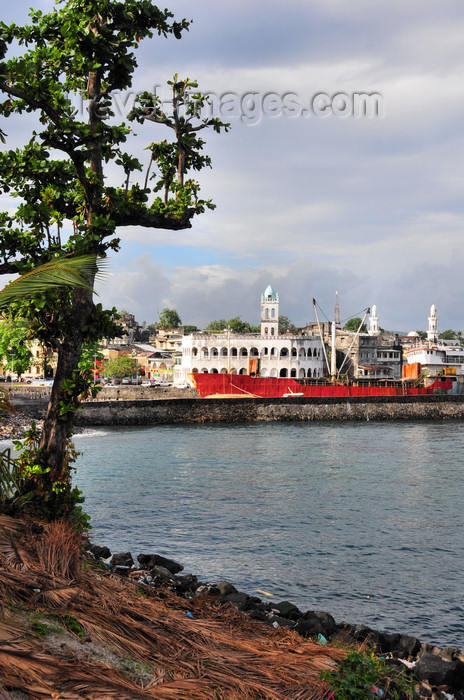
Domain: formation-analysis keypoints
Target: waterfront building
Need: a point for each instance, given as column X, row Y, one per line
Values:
column 268, row 353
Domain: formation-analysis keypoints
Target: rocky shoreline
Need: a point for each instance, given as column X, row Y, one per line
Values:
column 440, row 672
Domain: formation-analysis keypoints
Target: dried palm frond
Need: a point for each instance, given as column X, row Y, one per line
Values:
column 59, row 550
column 13, row 554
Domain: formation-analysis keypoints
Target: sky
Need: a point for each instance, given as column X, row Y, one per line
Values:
column 312, row 194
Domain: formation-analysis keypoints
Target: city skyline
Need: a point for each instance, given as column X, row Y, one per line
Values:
column 314, row 202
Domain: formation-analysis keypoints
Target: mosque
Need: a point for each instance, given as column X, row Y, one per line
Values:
column 268, row 352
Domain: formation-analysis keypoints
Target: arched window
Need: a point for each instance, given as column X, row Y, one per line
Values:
column 293, row 372
column 195, row 370
column 214, row 371
column 266, row 330
column 243, row 352
column 266, row 313
column 254, row 352
column 224, row 352
column 272, row 331
column 283, row 372
column 301, row 373
column 204, row 352
column 272, row 313
column 223, row 370
column 274, row 352
column 195, row 352
column 284, row 353
column 309, row 352
column 214, row 352
column 294, row 352
column 302, row 353
column 233, row 352
column 204, row 370
column 309, row 372
column 243, row 371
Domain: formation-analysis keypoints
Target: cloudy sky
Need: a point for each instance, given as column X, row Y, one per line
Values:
column 312, row 196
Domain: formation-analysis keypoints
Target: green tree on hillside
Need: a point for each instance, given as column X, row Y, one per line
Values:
column 122, row 366
column 449, row 334
column 353, row 324
column 66, row 203
column 236, row 325
column 15, row 353
column 169, row 318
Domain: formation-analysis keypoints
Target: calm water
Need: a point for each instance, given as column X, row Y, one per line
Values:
column 364, row 521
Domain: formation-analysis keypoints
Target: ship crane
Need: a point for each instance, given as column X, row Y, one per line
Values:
column 332, row 368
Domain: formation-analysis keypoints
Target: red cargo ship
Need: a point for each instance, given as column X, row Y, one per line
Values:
column 243, row 385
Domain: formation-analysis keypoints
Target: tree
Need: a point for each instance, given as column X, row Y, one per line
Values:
column 14, row 350
column 122, row 366
column 216, row 326
column 189, row 329
column 169, row 318
column 353, row 325
column 449, row 334
column 67, row 204
column 286, row 325
column 422, row 335
column 235, row 325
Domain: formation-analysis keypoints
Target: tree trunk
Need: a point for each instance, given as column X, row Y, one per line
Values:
column 57, row 427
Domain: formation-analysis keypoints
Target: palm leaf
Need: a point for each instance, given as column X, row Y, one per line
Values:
column 60, row 272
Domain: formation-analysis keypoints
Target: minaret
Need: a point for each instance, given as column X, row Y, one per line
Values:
column 269, row 313
column 374, row 322
column 432, row 333
column 338, row 323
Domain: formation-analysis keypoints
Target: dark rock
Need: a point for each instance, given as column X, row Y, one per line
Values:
column 186, row 584
column 390, row 642
column 148, row 561
column 324, row 619
column 407, row 647
column 437, row 671
column 450, row 653
column 206, row 589
column 240, row 600
column 122, row 559
column 309, row 628
column 99, row 552
column 288, row 610
column 226, row 588
column 260, row 615
column 160, row 573
column 277, row 621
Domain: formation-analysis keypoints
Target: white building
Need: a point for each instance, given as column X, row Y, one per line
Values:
column 266, row 353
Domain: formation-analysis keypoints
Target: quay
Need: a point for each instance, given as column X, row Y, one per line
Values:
column 129, row 409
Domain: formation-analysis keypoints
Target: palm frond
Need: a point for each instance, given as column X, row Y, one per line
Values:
column 60, row 272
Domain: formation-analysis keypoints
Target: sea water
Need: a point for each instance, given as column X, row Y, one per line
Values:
column 362, row 520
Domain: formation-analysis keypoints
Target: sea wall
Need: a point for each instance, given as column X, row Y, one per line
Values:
column 153, row 412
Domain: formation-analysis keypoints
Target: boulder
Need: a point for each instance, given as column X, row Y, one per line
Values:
column 240, row 600
column 226, row 588
column 122, row 559
column 287, row 609
column 99, row 552
column 160, row 573
column 407, row 647
column 438, row 671
column 324, row 619
column 148, row 561
column 186, row 584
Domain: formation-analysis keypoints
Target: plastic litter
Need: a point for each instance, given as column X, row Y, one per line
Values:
column 321, row 639
column 258, row 590
column 378, row 691
column 189, row 614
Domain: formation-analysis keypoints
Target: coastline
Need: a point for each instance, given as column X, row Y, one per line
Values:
column 353, row 633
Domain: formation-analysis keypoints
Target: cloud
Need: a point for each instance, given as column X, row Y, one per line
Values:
column 369, row 206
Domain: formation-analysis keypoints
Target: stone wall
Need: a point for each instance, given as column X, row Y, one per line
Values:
column 292, row 409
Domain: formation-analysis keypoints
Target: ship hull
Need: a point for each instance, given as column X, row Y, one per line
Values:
column 242, row 385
